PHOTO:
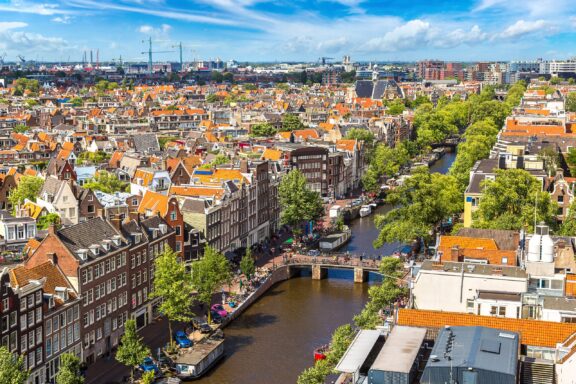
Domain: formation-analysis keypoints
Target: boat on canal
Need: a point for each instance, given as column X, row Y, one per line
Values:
column 365, row 210
column 193, row 363
column 334, row 241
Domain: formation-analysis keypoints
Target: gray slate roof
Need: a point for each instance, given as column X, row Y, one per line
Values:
column 87, row 233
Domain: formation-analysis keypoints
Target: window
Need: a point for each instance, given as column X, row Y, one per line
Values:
column 48, row 327
column 569, row 319
column 5, row 305
column 24, row 342
column 23, row 304
column 39, row 315
column 39, row 355
column 39, row 335
column 62, row 339
column 55, row 324
column 504, row 260
column 560, row 199
column 56, row 343
column 48, row 346
column 31, row 339
column 178, row 230
column 178, row 246
column 173, row 215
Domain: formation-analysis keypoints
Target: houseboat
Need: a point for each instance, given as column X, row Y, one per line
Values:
column 365, row 210
column 193, row 363
column 335, row 240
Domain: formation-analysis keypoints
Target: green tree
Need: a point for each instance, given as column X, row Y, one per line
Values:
column 570, row 102
column 212, row 98
column 228, row 77
column 163, row 140
column 20, row 128
column 132, row 350
column 148, row 377
column 316, row 374
column 396, row 107
column 106, row 182
column 555, row 80
column 208, row 274
column 571, row 81
column 97, row 157
column 298, row 202
column 69, row 371
column 76, row 101
column 28, row 188
column 348, row 77
column 174, row 285
column 12, row 368
column 568, row 226
column 45, row 221
column 341, row 340
column 250, row 87
column 421, row 203
column 385, row 161
column 216, row 77
column 247, row 264
column 291, row 122
column 360, row 134
column 508, row 202
column 263, row 130
column 551, row 159
column 384, row 295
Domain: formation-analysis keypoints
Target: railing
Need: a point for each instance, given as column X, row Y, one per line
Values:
column 337, row 261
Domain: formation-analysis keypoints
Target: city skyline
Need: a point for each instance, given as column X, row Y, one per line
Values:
column 262, row 30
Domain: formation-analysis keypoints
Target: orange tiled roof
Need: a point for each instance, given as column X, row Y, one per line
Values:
column 221, row 175
column 272, row 154
column 155, row 203
column 68, row 146
column 196, row 191
column 144, row 174
column 532, row 332
column 306, row 134
column 21, row 276
column 346, row 145
column 467, row 242
column 115, row 158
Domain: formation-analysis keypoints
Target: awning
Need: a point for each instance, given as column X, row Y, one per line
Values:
column 289, row 241
column 358, row 351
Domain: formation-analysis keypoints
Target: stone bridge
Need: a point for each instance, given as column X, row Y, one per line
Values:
column 320, row 265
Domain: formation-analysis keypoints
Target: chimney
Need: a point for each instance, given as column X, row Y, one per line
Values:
column 116, row 222
column 244, row 166
column 455, row 253
column 52, row 229
column 52, row 257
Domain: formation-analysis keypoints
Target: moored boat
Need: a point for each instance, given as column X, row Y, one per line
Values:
column 320, row 352
column 365, row 210
column 194, row 362
column 334, row 241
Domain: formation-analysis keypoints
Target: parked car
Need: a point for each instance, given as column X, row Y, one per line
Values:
column 182, row 339
column 164, row 361
column 219, row 309
column 313, row 252
column 149, row 365
column 216, row 318
column 201, row 325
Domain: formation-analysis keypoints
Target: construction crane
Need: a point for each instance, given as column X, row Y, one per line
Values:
column 149, row 52
column 324, row 59
column 22, row 59
column 179, row 46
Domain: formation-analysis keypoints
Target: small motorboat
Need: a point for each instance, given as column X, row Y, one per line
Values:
column 320, row 352
column 365, row 210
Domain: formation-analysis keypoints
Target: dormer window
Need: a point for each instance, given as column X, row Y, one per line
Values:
column 82, row 254
column 51, row 302
column 137, row 238
column 116, row 240
column 62, row 293
column 95, row 249
column 106, row 245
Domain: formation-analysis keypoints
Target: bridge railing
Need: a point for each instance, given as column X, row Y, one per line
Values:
column 342, row 261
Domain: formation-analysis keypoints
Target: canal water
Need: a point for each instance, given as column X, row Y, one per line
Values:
column 273, row 341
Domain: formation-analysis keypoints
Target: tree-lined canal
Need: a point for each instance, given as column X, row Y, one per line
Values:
column 273, row 341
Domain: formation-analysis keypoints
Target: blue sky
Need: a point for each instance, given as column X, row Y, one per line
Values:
column 270, row 30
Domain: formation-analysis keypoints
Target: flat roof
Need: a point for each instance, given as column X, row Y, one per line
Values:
column 198, row 352
column 400, row 349
column 358, row 351
column 485, row 348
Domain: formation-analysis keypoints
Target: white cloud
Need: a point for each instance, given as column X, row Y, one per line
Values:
column 18, row 6
column 416, row 34
column 523, row 27
column 7, row 25
column 161, row 31
column 62, row 19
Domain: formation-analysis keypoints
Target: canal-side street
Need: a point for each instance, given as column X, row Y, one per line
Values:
column 273, row 340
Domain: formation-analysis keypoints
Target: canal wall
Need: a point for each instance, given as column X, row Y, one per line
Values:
column 280, row 274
